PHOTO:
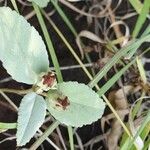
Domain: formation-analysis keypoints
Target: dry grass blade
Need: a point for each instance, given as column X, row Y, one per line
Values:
column 69, row 5
column 8, row 139
column 88, row 35
column 79, row 141
column 120, row 103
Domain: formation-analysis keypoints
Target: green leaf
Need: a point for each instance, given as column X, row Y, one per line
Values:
column 85, row 105
column 146, row 31
column 137, row 5
column 22, row 50
column 31, row 116
column 142, row 17
column 41, row 3
column 111, row 81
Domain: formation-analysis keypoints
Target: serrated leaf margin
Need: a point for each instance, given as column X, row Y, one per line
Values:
column 30, row 100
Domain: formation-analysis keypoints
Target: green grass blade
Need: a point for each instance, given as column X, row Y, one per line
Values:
column 64, row 17
column 141, row 70
column 146, row 131
column 44, row 136
column 15, row 5
column 137, row 107
column 147, row 145
column 70, row 132
column 132, row 47
column 110, row 83
column 129, row 143
column 141, row 18
column 8, row 125
column 49, row 42
column 146, row 31
column 137, row 5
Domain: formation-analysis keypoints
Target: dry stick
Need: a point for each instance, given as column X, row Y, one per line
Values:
column 8, row 139
column 24, row 3
column 9, row 100
column 116, row 27
column 79, row 141
column 51, row 142
column 1, row 1
column 5, row 104
column 44, row 136
column 6, row 80
column 19, row 92
column 73, row 66
column 32, row 13
column 29, row 15
column 61, row 138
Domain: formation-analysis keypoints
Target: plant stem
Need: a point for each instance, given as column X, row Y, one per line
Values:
column 19, row 92
column 71, row 138
column 44, row 136
column 48, row 42
column 8, row 125
column 9, row 101
column 64, row 17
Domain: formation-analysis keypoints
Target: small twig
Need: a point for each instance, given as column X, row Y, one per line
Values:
column 6, row 139
column 61, row 138
column 44, row 136
column 9, row 100
column 6, row 80
column 73, row 67
column 5, row 104
column 32, row 13
column 79, row 140
column 116, row 27
column 29, row 15
column 19, row 92
column 49, row 141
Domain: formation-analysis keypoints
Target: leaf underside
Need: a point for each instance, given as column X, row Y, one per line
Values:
column 85, row 105
column 22, row 51
column 31, row 116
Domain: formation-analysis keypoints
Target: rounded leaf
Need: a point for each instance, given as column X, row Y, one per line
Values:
column 31, row 116
column 83, row 106
column 41, row 3
column 22, row 50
